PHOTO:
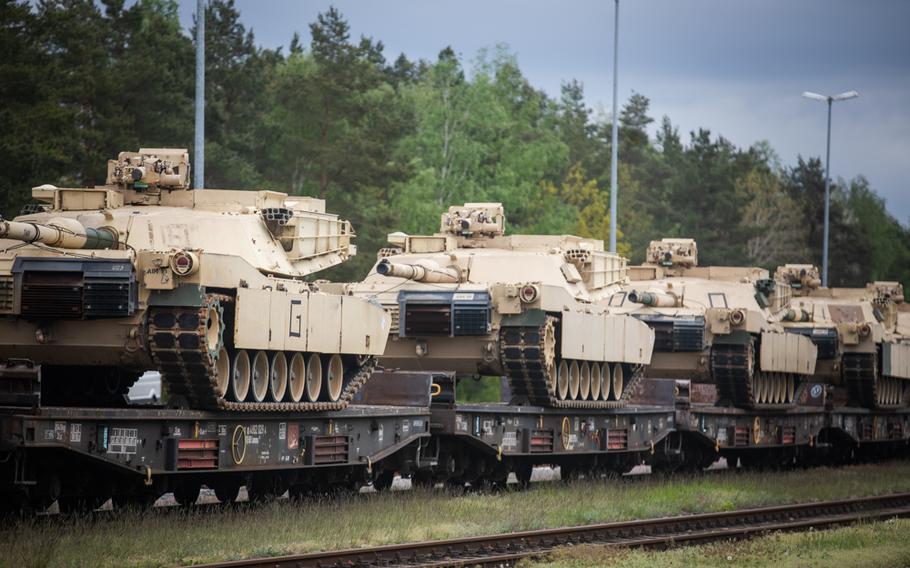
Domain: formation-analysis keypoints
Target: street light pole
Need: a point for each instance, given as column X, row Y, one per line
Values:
column 827, row 201
column 199, row 149
column 614, row 142
column 830, row 100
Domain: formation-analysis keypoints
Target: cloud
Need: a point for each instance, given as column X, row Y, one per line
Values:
column 734, row 67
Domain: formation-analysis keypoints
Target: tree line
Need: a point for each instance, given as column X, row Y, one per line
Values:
column 390, row 143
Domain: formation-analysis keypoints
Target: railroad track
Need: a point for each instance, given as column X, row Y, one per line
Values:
column 507, row 549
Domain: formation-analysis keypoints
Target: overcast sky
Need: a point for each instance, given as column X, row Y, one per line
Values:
column 735, row 67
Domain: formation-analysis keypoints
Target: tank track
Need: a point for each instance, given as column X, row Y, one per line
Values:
column 354, row 379
column 178, row 348
column 860, row 373
column 523, row 352
column 733, row 370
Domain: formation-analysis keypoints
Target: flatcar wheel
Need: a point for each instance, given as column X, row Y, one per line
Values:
column 334, row 377
column 297, row 377
column 523, row 472
column 618, row 381
column 313, row 377
column 83, row 492
column 562, row 380
column 423, row 480
column 584, row 383
column 265, row 487
column 260, row 376
column 278, row 376
column 186, row 493
column 383, row 480
column 45, row 492
column 302, row 491
column 569, row 473
column 596, row 381
column 78, row 504
column 222, row 372
column 139, row 499
column 574, row 380
column 240, row 376
column 226, row 490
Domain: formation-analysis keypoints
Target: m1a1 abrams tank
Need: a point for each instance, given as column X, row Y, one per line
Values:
column 862, row 344
column 477, row 302
column 715, row 325
column 208, row 287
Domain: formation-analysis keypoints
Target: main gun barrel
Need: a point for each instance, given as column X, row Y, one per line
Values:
column 420, row 271
column 654, row 299
column 60, row 232
column 796, row 315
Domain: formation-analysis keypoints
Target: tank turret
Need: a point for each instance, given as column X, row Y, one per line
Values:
column 209, row 287
column 476, row 301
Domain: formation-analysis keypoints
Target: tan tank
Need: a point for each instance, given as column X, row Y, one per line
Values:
column 477, row 302
column 209, row 287
column 862, row 345
column 716, row 325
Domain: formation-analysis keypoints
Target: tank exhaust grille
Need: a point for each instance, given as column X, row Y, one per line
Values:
column 394, row 315
column 676, row 334
column 105, row 297
column 447, row 314
column 6, row 294
column 55, row 288
column 428, row 320
column 52, row 295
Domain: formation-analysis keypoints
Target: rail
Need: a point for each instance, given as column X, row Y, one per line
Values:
column 506, row 549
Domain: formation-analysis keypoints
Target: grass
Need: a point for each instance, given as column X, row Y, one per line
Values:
column 173, row 536
column 881, row 544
